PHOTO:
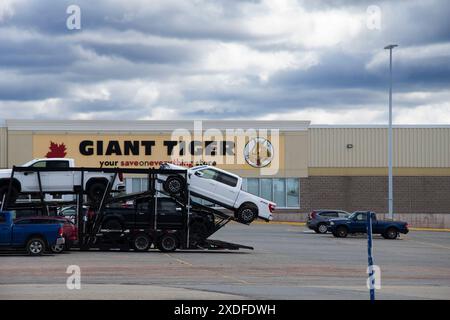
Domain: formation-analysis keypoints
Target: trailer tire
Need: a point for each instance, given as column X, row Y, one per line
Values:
column 4, row 193
column 142, row 242
column 96, row 190
column 35, row 246
column 174, row 184
column 246, row 214
column 168, row 242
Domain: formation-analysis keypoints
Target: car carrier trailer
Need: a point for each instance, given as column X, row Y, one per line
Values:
column 91, row 233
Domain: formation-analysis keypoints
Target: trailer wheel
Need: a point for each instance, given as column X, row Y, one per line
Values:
column 142, row 242
column 96, row 191
column 35, row 246
column 246, row 214
column 168, row 242
column 174, row 184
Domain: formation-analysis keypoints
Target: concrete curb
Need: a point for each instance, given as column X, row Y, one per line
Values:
column 293, row 223
column 430, row 229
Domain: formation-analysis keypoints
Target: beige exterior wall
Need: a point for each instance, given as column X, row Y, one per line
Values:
column 34, row 138
column 315, row 151
column 20, row 147
column 3, row 147
column 413, row 147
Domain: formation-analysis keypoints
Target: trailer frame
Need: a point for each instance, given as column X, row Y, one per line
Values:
column 91, row 234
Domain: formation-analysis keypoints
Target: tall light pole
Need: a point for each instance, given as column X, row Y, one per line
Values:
column 390, row 178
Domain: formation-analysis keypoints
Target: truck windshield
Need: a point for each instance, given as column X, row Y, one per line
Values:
column 198, row 167
column 353, row 215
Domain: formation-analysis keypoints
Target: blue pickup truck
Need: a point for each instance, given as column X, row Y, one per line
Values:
column 35, row 238
column 357, row 223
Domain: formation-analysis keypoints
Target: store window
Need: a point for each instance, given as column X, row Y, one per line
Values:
column 293, row 192
column 279, row 192
column 253, row 186
column 284, row 191
column 266, row 189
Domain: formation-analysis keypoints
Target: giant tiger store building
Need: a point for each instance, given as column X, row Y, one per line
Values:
column 317, row 166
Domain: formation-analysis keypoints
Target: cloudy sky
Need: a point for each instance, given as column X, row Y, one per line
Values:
column 225, row 59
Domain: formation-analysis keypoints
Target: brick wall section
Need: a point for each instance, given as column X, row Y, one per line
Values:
column 411, row 194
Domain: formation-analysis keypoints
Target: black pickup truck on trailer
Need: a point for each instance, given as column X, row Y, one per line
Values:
column 152, row 218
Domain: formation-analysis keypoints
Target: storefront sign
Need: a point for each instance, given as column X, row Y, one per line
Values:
column 142, row 151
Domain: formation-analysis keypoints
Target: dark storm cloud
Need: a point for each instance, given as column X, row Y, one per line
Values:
column 134, row 57
column 155, row 54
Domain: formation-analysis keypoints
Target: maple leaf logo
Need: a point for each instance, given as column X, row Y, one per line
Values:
column 56, row 150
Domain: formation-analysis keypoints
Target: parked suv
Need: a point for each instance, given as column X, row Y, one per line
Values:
column 317, row 219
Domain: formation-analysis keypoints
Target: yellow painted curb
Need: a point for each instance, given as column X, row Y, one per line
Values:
column 281, row 222
column 303, row 224
column 430, row 229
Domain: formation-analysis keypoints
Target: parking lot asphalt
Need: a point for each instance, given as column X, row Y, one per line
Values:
column 289, row 262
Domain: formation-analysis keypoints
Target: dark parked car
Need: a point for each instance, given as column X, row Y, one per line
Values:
column 317, row 219
column 357, row 223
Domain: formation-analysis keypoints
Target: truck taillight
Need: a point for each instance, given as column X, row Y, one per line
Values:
column 120, row 175
column 271, row 207
column 60, row 231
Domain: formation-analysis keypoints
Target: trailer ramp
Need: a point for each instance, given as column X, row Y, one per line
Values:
column 211, row 244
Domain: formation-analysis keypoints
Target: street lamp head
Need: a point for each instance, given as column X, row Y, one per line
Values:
column 391, row 46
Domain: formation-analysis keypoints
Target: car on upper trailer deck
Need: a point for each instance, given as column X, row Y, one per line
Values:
column 220, row 187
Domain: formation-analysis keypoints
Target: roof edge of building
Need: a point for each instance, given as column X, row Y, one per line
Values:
column 376, row 126
column 153, row 125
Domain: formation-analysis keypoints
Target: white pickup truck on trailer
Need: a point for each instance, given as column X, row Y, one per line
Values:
column 219, row 187
column 95, row 183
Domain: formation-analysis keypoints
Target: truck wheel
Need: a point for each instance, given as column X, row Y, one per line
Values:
column 391, row 234
column 112, row 224
column 174, row 184
column 35, row 246
column 57, row 248
column 168, row 242
column 4, row 193
column 96, row 191
column 246, row 214
column 321, row 228
column 142, row 242
column 342, row 232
